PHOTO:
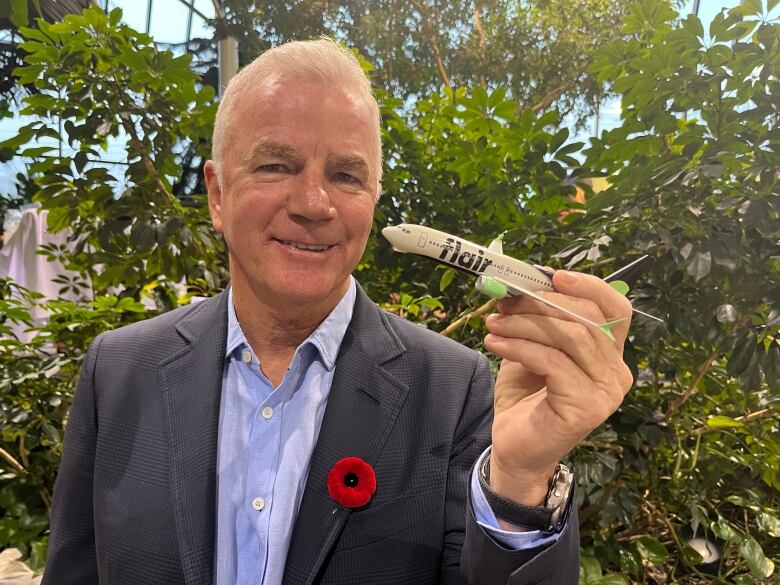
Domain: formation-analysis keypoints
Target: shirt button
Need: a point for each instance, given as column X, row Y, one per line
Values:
column 246, row 356
column 267, row 412
column 258, row 504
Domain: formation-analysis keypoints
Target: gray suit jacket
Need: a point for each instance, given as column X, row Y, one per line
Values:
column 135, row 502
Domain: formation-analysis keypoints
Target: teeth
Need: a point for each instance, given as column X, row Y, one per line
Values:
column 310, row 247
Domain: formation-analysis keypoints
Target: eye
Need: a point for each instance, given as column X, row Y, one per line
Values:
column 346, row 178
column 273, row 168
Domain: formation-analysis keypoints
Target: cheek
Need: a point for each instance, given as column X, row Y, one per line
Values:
column 359, row 218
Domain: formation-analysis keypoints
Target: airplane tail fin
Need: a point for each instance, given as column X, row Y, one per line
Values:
column 497, row 245
column 606, row 328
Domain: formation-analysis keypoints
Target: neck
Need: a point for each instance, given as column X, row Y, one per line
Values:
column 275, row 330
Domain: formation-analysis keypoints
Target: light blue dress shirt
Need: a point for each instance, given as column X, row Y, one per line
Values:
column 266, row 439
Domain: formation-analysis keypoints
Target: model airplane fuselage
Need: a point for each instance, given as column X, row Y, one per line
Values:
column 497, row 275
column 480, row 261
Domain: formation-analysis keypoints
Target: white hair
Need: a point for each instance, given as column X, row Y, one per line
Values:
column 318, row 61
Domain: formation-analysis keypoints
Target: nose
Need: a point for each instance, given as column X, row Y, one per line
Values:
column 310, row 198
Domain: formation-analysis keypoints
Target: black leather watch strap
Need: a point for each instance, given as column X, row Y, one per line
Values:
column 544, row 518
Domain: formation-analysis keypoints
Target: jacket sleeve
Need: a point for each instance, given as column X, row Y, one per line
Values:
column 482, row 560
column 472, row 436
column 486, row 562
column 71, row 556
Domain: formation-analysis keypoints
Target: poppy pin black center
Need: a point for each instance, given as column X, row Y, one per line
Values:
column 351, row 479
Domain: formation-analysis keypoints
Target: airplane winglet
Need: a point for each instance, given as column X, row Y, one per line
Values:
column 621, row 286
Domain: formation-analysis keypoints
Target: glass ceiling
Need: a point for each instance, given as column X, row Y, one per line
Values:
column 168, row 21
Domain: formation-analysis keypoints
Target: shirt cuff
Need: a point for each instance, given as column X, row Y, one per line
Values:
column 487, row 519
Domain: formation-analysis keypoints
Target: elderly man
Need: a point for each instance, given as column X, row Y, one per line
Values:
column 201, row 443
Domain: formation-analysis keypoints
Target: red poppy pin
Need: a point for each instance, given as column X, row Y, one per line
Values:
column 351, row 482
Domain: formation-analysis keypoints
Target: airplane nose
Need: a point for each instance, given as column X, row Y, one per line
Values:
column 389, row 232
column 393, row 235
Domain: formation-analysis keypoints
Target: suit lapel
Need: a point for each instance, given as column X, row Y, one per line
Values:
column 191, row 381
column 362, row 407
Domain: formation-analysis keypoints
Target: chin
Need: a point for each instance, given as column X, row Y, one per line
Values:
column 304, row 290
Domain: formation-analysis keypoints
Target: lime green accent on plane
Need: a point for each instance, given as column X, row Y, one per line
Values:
column 606, row 327
column 493, row 288
column 620, row 286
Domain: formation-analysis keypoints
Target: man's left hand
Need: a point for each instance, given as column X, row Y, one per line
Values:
column 559, row 380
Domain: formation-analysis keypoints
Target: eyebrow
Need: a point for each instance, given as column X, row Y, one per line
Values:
column 348, row 162
column 273, row 149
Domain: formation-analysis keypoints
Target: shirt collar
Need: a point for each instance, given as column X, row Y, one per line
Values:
column 326, row 339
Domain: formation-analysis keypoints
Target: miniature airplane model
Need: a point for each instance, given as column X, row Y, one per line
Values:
column 497, row 275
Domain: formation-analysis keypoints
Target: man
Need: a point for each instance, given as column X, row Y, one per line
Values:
column 200, row 442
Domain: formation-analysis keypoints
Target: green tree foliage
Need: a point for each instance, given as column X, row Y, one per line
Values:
column 694, row 174
column 36, row 385
column 537, row 50
column 97, row 78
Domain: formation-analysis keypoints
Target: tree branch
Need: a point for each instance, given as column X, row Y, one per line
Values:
column 693, row 387
column 15, row 465
column 431, row 33
column 486, row 308
column 481, row 33
column 701, row 370
column 751, row 416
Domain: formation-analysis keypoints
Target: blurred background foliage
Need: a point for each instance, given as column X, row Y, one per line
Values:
column 682, row 484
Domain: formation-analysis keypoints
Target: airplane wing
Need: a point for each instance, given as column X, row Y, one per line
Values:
column 515, row 290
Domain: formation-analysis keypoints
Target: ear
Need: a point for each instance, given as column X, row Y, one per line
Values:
column 214, row 188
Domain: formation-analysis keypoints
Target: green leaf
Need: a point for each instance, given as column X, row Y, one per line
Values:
column 590, row 569
column 699, row 265
column 142, row 235
column 37, row 559
column 717, row 24
column 751, row 7
column 753, row 554
column 652, row 550
column 768, row 524
column 741, row 356
column 691, row 556
column 613, row 579
column 446, row 279
column 19, row 15
column 630, row 561
column 721, row 421
column 723, row 530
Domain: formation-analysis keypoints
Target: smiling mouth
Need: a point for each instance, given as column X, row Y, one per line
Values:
column 305, row 247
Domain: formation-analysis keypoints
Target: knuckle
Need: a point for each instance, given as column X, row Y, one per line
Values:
column 590, row 310
column 599, row 415
column 579, row 334
column 555, row 357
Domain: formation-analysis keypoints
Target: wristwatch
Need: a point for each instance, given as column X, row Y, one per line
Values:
column 549, row 517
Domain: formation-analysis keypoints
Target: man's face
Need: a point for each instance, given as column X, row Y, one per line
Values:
column 294, row 194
